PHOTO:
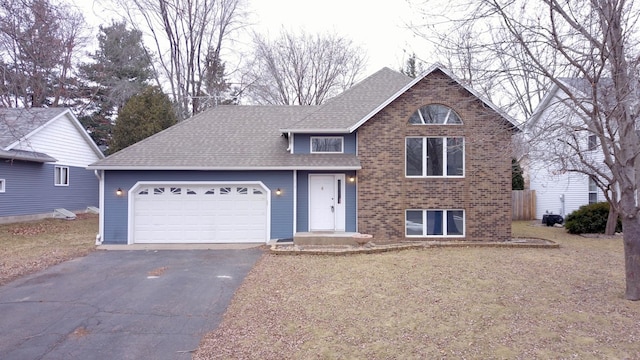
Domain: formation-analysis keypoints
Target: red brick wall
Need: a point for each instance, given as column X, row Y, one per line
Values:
column 384, row 193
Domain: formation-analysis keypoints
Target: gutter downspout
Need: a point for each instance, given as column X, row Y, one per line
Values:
column 99, row 237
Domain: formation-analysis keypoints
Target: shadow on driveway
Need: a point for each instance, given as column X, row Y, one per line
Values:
column 121, row 304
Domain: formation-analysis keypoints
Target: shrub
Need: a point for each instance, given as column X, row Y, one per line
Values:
column 590, row 218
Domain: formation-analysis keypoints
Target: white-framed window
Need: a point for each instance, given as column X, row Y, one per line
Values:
column 592, row 142
column 327, row 144
column 61, row 176
column 593, row 191
column 435, row 114
column 434, row 157
column 434, row 223
column 3, row 182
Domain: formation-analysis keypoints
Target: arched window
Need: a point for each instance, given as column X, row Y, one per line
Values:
column 435, row 114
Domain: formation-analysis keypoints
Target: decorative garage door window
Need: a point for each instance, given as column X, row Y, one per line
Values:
column 440, row 223
column 435, row 114
column 224, row 190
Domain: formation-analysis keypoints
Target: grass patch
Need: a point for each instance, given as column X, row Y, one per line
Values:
column 32, row 246
column 435, row 303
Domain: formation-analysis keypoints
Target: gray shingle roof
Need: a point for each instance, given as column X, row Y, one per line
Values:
column 226, row 137
column 251, row 137
column 343, row 112
column 18, row 123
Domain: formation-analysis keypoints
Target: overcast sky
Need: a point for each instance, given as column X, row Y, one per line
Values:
column 379, row 27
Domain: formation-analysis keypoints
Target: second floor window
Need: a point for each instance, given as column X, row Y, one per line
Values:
column 327, row 144
column 435, row 114
column 592, row 142
column 434, row 157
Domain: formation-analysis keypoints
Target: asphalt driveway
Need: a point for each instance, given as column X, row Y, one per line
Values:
column 121, row 304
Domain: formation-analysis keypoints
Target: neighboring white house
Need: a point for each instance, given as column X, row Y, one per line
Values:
column 554, row 133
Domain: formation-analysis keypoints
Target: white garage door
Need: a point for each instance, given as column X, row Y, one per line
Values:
column 199, row 213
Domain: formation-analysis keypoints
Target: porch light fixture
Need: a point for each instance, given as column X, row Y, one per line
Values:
column 352, row 178
column 119, row 192
column 278, row 192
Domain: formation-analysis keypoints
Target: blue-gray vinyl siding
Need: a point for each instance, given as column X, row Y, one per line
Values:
column 30, row 189
column 302, row 142
column 302, row 220
column 116, row 208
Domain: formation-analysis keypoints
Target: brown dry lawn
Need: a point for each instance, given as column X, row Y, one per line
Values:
column 32, row 246
column 489, row 303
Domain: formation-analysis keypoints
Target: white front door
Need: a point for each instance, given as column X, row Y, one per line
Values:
column 326, row 202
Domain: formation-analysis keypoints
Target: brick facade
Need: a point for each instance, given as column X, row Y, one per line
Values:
column 384, row 193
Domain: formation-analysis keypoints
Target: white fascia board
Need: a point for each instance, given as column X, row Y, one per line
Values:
column 317, row 131
column 226, row 168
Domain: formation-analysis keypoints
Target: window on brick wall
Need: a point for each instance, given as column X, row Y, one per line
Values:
column 440, row 223
column 434, row 157
column 435, row 114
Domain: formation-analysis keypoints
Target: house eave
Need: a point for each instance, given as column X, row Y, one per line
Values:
column 225, row 168
column 317, row 131
column 26, row 156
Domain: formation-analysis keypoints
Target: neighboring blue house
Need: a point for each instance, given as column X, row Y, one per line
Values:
column 386, row 158
column 44, row 153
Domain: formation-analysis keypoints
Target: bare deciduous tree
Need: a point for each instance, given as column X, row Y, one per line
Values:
column 38, row 42
column 302, row 69
column 188, row 35
column 594, row 42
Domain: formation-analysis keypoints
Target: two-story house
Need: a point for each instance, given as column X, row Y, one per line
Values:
column 394, row 157
column 562, row 151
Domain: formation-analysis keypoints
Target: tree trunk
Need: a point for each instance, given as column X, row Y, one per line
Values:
column 612, row 221
column 631, row 230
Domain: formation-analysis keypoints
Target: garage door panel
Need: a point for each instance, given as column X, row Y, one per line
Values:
column 206, row 213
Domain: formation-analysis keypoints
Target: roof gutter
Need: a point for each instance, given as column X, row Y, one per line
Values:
column 225, row 168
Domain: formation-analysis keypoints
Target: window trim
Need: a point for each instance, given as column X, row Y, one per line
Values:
column 57, row 175
column 444, row 224
column 3, row 184
column 444, row 156
column 341, row 138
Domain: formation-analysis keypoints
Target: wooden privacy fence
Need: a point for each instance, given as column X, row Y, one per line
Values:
column 523, row 204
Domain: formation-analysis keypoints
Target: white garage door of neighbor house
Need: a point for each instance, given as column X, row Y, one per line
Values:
column 200, row 213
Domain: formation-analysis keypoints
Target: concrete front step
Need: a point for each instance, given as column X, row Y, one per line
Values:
column 330, row 238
